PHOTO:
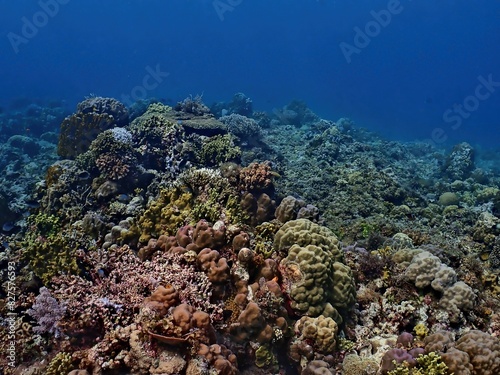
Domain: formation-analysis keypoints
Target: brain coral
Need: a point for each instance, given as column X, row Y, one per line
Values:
column 459, row 297
column 475, row 353
column 483, row 350
column 426, row 269
column 313, row 278
column 321, row 331
column 304, row 232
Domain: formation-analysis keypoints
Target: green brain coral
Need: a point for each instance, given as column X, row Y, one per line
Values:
column 316, row 282
column 304, row 232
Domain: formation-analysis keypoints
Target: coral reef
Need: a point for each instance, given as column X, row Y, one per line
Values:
column 179, row 243
column 92, row 116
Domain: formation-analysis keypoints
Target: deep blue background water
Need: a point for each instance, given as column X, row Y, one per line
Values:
column 426, row 61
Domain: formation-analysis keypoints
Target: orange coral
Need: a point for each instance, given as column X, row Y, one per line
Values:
column 257, row 177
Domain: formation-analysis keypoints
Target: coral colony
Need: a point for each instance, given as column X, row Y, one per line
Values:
column 205, row 240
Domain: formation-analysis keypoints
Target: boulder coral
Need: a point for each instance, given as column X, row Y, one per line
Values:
column 314, row 279
column 92, row 116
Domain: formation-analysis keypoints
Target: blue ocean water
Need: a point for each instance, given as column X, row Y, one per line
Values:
column 406, row 69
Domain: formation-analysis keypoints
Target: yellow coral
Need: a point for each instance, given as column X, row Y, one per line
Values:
column 60, row 364
column 166, row 214
column 421, row 330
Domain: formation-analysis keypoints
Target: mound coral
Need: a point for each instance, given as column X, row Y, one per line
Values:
column 426, row 269
column 93, row 116
column 313, row 278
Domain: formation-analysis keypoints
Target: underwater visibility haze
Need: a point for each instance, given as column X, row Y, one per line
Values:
column 250, row 187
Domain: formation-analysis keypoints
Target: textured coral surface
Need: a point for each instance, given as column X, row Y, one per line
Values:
column 181, row 241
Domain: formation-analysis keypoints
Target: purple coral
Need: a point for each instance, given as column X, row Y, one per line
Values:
column 47, row 312
column 393, row 357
